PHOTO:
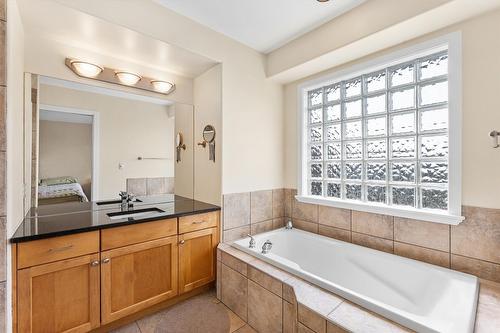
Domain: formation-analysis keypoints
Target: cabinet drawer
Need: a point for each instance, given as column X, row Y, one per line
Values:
column 198, row 222
column 137, row 233
column 57, row 248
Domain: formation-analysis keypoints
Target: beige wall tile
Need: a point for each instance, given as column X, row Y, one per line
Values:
column 234, row 263
column 3, row 300
column 3, row 186
column 332, row 328
column 289, row 197
column 278, row 203
column 373, row 224
column 218, row 285
column 304, row 329
column 289, row 317
column 304, row 225
column 376, row 243
column 257, row 228
column 427, row 234
column 2, row 10
column 236, row 233
column 3, row 67
column 236, row 208
column 137, row 186
column 234, row 291
column 434, row 257
column 340, row 234
column 246, row 329
column 261, row 203
column 483, row 269
column 304, row 211
column 279, row 222
column 3, row 249
column 311, row 319
column 264, row 309
column 356, row 319
column 3, row 119
column 265, row 280
column 160, row 185
column 288, row 293
column 488, row 308
column 335, row 217
column 479, row 235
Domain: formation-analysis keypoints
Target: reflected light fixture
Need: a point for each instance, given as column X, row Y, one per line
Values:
column 128, row 78
column 161, row 86
column 85, row 68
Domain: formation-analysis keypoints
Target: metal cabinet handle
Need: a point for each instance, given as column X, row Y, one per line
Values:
column 94, row 263
column 58, row 249
column 182, row 242
column 105, row 261
column 198, row 222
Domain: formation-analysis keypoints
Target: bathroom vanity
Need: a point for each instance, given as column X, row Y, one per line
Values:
column 80, row 267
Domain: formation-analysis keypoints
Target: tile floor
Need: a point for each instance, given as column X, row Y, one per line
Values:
column 201, row 314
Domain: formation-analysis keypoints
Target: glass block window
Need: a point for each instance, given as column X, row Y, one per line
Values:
column 382, row 137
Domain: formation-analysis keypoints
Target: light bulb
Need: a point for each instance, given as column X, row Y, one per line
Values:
column 161, row 86
column 86, row 69
column 128, row 78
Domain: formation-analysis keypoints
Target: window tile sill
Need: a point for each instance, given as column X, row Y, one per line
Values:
column 415, row 214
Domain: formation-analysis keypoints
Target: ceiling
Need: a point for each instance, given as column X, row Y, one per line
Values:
column 52, row 21
column 264, row 25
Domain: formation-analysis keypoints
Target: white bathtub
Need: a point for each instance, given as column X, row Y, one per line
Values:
column 420, row 296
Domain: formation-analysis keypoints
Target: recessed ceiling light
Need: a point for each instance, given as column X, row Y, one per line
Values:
column 128, row 78
column 85, row 68
column 161, row 86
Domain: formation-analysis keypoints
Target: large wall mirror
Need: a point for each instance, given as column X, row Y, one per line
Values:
column 88, row 143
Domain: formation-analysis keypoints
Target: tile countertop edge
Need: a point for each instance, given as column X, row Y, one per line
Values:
column 21, row 239
column 488, row 302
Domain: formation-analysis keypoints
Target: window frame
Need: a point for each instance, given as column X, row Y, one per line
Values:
column 450, row 42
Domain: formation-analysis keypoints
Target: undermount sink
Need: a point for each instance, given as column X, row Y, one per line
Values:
column 138, row 213
column 112, row 202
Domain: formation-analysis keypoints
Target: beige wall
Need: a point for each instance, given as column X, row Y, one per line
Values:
column 127, row 129
column 184, row 180
column 252, row 111
column 207, row 96
column 66, row 150
column 480, row 73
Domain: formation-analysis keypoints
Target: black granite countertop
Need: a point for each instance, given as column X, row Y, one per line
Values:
column 63, row 219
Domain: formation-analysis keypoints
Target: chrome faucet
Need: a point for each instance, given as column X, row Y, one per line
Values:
column 289, row 225
column 266, row 247
column 127, row 199
column 251, row 243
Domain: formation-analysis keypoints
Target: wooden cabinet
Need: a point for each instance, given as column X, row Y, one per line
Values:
column 79, row 282
column 197, row 253
column 137, row 276
column 59, row 297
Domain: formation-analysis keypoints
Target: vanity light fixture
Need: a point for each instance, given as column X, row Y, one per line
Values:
column 161, row 86
column 85, row 68
column 128, row 78
column 116, row 76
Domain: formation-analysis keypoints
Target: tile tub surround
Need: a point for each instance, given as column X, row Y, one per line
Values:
column 472, row 247
column 292, row 305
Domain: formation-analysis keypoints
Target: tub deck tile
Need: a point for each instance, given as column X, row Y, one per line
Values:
column 314, row 298
column 488, row 308
column 355, row 319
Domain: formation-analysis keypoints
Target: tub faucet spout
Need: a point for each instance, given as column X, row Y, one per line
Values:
column 251, row 243
column 266, row 247
column 289, row 225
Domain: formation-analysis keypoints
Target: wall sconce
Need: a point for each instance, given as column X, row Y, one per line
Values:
column 92, row 71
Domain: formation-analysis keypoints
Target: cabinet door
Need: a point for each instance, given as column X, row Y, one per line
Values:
column 59, row 297
column 137, row 276
column 197, row 253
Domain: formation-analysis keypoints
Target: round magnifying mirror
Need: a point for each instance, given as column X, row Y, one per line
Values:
column 178, row 139
column 209, row 133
